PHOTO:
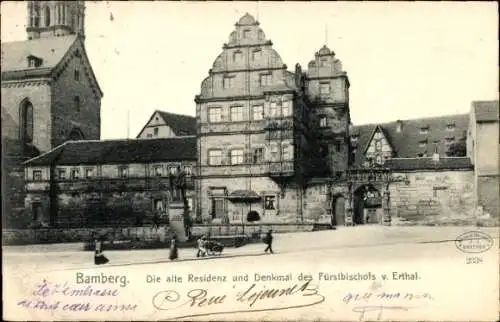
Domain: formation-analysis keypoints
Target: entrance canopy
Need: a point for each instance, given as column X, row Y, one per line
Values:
column 244, row 196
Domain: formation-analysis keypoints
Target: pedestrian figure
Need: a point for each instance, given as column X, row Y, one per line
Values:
column 173, row 248
column 201, row 246
column 268, row 240
column 99, row 257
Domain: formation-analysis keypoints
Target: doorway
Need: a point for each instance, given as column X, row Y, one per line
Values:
column 367, row 199
column 338, row 210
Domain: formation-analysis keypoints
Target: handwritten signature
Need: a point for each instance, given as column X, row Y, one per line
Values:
column 256, row 298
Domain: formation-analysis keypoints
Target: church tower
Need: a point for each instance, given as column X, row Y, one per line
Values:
column 55, row 19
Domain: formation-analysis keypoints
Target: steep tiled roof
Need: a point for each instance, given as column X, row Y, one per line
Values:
column 50, row 50
column 180, row 124
column 408, row 164
column 486, row 111
column 406, row 143
column 120, row 151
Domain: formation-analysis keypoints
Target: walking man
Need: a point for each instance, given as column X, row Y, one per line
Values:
column 268, row 240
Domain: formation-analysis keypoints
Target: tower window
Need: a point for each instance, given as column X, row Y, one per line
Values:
column 47, row 16
column 237, row 56
column 27, row 122
column 322, row 121
column 77, row 75
column 77, row 103
column 266, row 79
column 324, row 89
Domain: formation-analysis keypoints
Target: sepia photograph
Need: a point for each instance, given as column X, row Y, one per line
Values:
column 250, row 161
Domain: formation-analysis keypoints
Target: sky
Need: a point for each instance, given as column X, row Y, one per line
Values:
column 404, row 59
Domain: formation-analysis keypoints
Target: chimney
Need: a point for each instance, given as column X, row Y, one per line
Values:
column 399, row 127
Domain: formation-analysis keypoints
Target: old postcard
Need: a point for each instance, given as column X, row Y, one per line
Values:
column 284, row 161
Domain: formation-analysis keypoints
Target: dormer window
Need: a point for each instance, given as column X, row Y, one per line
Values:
column 424, row 130
column 422, row 143
column 34, row 62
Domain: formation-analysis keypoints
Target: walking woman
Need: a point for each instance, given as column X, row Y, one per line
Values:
column 99, row 257
column 174, row 254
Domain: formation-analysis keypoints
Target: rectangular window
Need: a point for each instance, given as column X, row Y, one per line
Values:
column 77, row 75
column 422, row 144
column 228, row 82
column 122, row 172
column 214, row 114
column 188, row 170
column 450, row 127
column 274, row 152
column 246, row 34
column 172, row 170
column 158, row 171
column 424, row 130
column 266, row 79
column 256, row 54
column 322, row 121
column 237, row 56
column 324, row 89
column 258, row 112
column 75, row 174
column 338, row 146
column 89, row 173
column 286, row 108
column 285, row 152
column 61, row 174
column 215, row 157
column 273, row 110
column 322, row 62
column 155, row 131
column 37, row 175
column 258, row 155
column 237, row 156
column 77, row 103
column 149, row 135
column 270, row 202
column 236, row 113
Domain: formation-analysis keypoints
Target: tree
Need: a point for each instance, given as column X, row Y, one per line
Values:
column 457, row 149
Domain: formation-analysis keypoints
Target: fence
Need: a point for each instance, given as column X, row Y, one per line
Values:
column 57, row 235
column 250, row 230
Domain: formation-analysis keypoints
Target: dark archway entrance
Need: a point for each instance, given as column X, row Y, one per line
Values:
column 338, row 210
column 76, row 135
column 367, row 199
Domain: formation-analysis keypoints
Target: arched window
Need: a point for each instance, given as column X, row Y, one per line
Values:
column 47, row 16
column 76, row 135
column 26, row 118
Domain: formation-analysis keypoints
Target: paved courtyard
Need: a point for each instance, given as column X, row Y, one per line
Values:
column 457, row 290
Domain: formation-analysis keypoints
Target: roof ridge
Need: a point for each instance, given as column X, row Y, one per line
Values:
column 161, row 111
column 47, row 153
column 414, row 119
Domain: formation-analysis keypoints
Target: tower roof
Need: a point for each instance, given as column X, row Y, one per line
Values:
column 325, row 51
column 247, row 20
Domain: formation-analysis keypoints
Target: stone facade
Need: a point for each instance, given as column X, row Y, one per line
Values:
column 256, row 147
column 63, row 190
column 47, row 98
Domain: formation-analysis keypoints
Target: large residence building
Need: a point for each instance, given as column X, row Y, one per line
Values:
column 272, row 145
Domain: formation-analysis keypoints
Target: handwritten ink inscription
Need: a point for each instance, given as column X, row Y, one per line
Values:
column 368, row 303
column 63, row 297
column 255, row 298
